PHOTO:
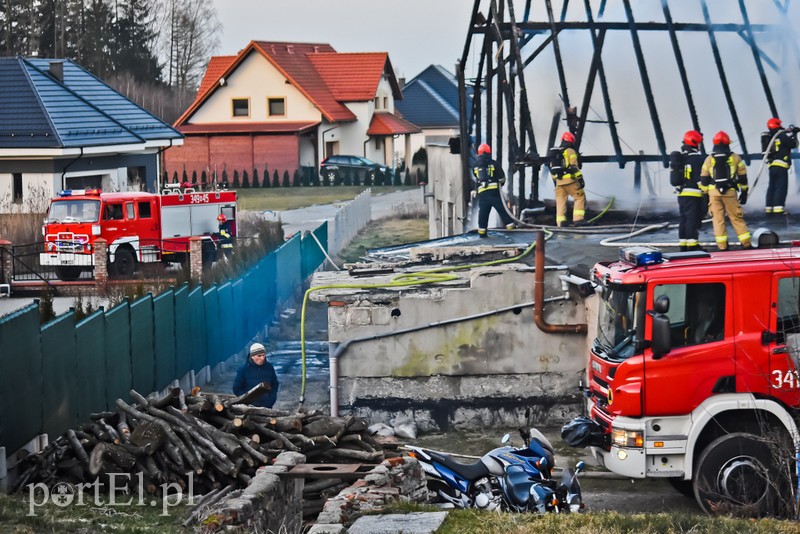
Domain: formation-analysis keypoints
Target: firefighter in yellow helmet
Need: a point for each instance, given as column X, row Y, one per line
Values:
column 489, row 178
column 568, row 178
column 723, row 174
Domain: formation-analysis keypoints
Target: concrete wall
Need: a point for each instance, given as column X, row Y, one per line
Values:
column 446, row 215
column 478, row 372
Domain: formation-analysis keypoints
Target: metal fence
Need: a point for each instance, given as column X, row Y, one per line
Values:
column 55, row 375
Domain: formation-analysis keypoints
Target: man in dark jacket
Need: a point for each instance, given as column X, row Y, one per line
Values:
column 778, row 144
column 224, row 232
column 685, row 169
column 489, row 178
column 254, row 371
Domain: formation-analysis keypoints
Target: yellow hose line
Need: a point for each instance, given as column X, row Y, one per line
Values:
column 610, row 203
column 430, row 276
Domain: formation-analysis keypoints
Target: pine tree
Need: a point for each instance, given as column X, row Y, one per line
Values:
column 286, row 182
column 266, row 182
column 245, row 180
column 276, row 181
column 236, row 179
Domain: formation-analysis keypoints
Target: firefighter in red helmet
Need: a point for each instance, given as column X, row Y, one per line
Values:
column 723, row 174
column 565, row 170
column 225, row 235
column 777, row 144
column 489, row 178
column 685, row 167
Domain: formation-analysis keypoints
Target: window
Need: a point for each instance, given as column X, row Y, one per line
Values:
column 276, row 106
column 144, row 210
column 241, row 107
column 16, row 188
column 113, row 212
column 129, row 214
column 385, row 102
column 377, row 102
column 696, row 312
column 788, row 302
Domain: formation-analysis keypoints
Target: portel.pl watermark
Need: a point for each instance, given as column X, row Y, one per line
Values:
column 115, row 492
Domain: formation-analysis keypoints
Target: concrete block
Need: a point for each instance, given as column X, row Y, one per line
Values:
column 359, row 316
column 327, row 529
column 413, row 523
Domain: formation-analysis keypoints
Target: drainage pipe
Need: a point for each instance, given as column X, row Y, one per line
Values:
column 340, row 349
column 538, row 297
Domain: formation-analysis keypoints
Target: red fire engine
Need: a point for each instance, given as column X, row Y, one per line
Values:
column 138, row 227
column 693, row 375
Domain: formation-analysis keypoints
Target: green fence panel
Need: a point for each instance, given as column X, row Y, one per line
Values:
column 197, row 332
column 242, row 314
column 119, row 380
column 91, row 369
column 164, row 341
column 21, row 378
column 183, row 332
column 213, row 326
column 312, row 254
column 59, row 372
column 143, row 362
column 270, row 285
column 288, row 268
column 228, row 316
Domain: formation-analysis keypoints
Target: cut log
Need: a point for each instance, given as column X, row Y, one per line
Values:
column 80, row 453
column 289, row 423
column 349, row 454
column 323, row 427
column 255, row 392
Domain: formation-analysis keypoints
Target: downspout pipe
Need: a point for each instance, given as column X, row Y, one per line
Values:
column 538, row 297
column 64, row 171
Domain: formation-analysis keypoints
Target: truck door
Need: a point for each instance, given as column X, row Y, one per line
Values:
column 783, row 339
column 702, row 354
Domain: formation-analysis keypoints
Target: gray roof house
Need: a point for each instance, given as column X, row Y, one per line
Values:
column 63, row 128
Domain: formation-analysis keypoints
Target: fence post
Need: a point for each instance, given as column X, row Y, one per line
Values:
column 8, row 261
column 196, row 258
column 100, row 261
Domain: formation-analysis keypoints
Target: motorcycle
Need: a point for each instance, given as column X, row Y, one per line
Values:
column 506, row 478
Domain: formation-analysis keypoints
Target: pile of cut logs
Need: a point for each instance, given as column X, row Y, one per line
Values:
column 220, row 440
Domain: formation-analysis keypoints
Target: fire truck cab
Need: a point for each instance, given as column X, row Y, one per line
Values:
column 693, row 375
column 138, row 227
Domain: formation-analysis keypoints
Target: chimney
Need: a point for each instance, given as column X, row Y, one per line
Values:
column 290, row 49
column 57, row 70
column 316, row 50
column 401, row 82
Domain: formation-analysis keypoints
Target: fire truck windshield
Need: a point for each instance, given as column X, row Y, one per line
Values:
column 620, row 322
column 73, row 211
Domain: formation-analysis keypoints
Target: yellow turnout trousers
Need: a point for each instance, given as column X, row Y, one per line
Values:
column 720, row 204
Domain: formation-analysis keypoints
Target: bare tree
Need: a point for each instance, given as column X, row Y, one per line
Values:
column 188, row 37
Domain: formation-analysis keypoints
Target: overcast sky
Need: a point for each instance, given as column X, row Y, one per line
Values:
column 415, row 33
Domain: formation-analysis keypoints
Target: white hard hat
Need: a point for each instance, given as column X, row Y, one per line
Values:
column 257, row 348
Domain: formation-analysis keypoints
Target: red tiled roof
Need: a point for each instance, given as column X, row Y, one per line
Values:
column 388, row 124
column 351, row 77
column 217, row 66
column 246, row 127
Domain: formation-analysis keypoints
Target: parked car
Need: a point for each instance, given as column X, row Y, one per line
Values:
column 350, row 170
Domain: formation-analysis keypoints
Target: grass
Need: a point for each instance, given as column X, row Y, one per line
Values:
column 280, row 199
column 88, row 518
column 385, row 233
column 471, row 521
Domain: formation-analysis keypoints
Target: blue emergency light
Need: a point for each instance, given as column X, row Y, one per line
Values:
column 640, row 255
column 78, row 192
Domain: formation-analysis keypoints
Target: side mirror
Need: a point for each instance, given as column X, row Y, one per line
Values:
column 505, row 439
column 580, row 466
column 661, row 335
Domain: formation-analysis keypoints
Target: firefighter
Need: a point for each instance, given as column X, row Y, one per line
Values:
column 685, row 168
column 723, row 174
column 489, row 177
column 779, row 156
column 254, row 371
column 224, row 232
column 568, row 179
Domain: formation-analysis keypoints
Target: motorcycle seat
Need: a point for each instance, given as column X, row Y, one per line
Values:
column 471, row 471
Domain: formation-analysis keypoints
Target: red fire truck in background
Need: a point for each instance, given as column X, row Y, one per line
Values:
column 693, row 375
column 138, row 227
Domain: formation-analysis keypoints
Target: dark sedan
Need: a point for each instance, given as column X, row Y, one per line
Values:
column 351, row 170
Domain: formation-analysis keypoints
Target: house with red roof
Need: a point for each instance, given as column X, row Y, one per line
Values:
column 287, row 106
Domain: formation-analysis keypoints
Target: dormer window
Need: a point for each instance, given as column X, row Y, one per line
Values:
column 276, row 107
column 381, row 103
column 241, row 107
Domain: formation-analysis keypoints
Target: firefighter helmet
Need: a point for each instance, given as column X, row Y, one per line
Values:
column 774, row 123
column 568, row 137
column 721, row 138
column 221, row 218
column 257, row 348
column 484, row 149
column 692, row 138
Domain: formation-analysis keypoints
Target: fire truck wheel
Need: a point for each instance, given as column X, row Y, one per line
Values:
column 124, row 263
column 739, row 473
column 68, row 274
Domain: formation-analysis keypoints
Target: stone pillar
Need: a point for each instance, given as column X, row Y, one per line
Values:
column 100, row 261
column 196, row 258
column 8, row 262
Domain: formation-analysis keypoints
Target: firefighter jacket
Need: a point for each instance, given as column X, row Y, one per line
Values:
column 564, row 164
column 723, row 170
column 688, row 172
column 487, row 174
column 780, row 153
column 225, row 238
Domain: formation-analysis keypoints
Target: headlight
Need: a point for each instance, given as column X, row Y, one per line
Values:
column 627, row 438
